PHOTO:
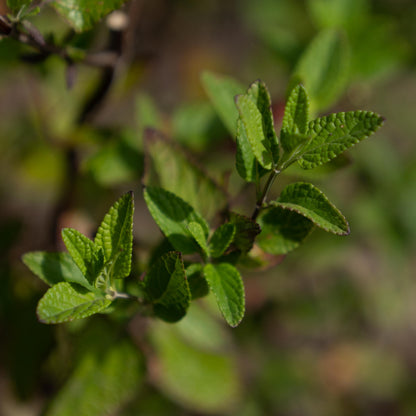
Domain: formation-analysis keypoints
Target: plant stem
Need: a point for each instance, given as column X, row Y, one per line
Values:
column 262, row 199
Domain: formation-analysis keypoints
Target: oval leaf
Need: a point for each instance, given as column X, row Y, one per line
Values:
column 221, row 239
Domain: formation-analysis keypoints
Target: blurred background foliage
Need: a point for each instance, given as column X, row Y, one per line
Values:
column 329, row 331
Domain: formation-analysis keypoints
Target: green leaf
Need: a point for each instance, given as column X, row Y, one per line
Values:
column 16, row 5
column 226, row 284
column 332, row 134
column 196, row 281
column 246, row 231
column 167, row 287
column 109, row 373
column 67, row 302
column 282, row 230
column 173, row 216
column 221, row 239
column 324, row 68
column 115, row 235
column 54, row 268
column 177, row 173
column 309, row 201
column 199, row 235
column 84, row 14
column 84, row 252
column 221, row 91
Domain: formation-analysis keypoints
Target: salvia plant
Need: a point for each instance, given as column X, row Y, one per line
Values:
column 200, row 253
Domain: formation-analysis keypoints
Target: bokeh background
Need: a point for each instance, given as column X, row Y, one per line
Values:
column 331, row 330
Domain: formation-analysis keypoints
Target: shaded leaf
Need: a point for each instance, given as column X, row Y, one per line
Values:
column 246, row 231
column 221, row 239
column 226, row 284
column 199, row 235
column 67, row 302
column 196, row 281
column 167, row 287
column 173, row 216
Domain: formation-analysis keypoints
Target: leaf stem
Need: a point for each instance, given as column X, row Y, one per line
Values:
column 262, row 199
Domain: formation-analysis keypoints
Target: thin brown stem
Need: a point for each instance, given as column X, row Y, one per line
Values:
column 263, row 197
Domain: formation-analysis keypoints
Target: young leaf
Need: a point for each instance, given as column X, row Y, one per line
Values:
column 221, row 239
column 196, row 280
column 173, row 216
column 84, row 252
column 66, row 302
column 252, row 121
column 54, row 268
column 332, row 134
column 324, row 67
column 83, row 14
column 282, row 230
column 199, row 235
column 309, row 201
column 221, row 91
column 246, row 231
column 167, row 287
column 226, row 284
column 115, row 235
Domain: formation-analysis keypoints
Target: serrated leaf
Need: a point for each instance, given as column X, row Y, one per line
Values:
column 221, row 239
column 246, row 231
column 109, row 373
column 309, row 201
column 226, row 284
column 54, row 268
column 324, row 68
column 177, row 173
column 199, row 235
column 252, row 121
column 115, row 235
column 196, row 281
column 221, row 90
column 332, row 134
column 282, row 230
column 84, row 14
column 84, row 252
column 173, row 216
column 67, row 302
column 167, row 287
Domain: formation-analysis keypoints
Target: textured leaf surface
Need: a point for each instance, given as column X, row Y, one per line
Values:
column 246, row 231
column 199, row 235
column 178, row 174
column 115, row 235
column 107, row 375
column 221, row 239
column 282, row 230
column 66, row 302
column 84, row 252
column 167, row 287
column 295, row 119
column 173, row 216
column 323, row 68
column 221, row 90
column 332, row 134
column 83, row 14
column 309, row 201
column 226, row 284
column 54, row 268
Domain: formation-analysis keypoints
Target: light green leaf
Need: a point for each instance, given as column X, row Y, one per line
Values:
column 177, row 173
column 309, row 201
column 108, row 374
column 252, row 121
column 196, row 281
column 221, row 239
column 67, row 302
column 200, row 237
column 226, row 284
column 221, row 90
column 54, row 268
column 173, row 216
column 246, row 231
column 167, row 287
column 296, row 117
column 282, row 230
column 84, row 14
column 324, row 68
column 332, row 134
column 84, row 252
column 115, row 235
